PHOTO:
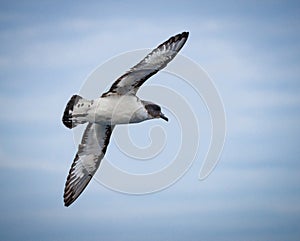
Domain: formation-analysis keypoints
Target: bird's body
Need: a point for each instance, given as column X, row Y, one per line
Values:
column 110, row 110
column 119, row 105
column 120, row 110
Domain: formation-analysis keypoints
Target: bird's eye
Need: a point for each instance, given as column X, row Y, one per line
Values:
column 154, row 107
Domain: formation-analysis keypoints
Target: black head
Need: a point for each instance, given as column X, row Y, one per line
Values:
column 154, row 110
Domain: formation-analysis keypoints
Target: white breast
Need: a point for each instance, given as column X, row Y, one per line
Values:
column 118, row 110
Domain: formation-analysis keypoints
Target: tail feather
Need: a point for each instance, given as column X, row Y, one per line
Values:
column 75, row 111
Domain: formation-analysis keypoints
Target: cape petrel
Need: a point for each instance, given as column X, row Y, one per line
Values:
column 119, row 105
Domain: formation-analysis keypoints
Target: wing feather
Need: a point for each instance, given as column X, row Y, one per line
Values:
column 92, row 149
column 129, row 83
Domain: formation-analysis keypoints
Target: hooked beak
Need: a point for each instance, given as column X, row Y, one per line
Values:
column 163, row 117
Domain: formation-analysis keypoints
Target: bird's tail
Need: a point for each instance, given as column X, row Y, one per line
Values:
column 76, row 111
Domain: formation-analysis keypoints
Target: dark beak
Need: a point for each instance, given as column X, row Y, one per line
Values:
column 163, row 117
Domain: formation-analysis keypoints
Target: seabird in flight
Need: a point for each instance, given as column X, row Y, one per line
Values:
column 119, row 105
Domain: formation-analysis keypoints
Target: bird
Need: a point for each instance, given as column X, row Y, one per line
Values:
column 119, row 105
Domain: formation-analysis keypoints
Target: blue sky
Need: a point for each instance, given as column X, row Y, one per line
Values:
column 249, row 48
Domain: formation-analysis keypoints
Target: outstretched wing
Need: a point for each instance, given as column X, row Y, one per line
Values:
column 87, row 160
column 129, row 83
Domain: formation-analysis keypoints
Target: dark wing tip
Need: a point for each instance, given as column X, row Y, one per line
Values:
column 180, row 36
column 67, row 203
column 176, row 38
column 185, row 34
column 74, row 185
column 71, row 193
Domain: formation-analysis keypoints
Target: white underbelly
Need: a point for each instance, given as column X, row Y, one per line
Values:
column 118, row 110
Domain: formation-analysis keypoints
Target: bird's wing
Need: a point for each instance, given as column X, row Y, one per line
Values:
column 87, row 160
column 129, row 83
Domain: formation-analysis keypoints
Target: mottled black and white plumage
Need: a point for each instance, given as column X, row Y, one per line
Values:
column 130, row 82
column 119, row 105
column 87, row 160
